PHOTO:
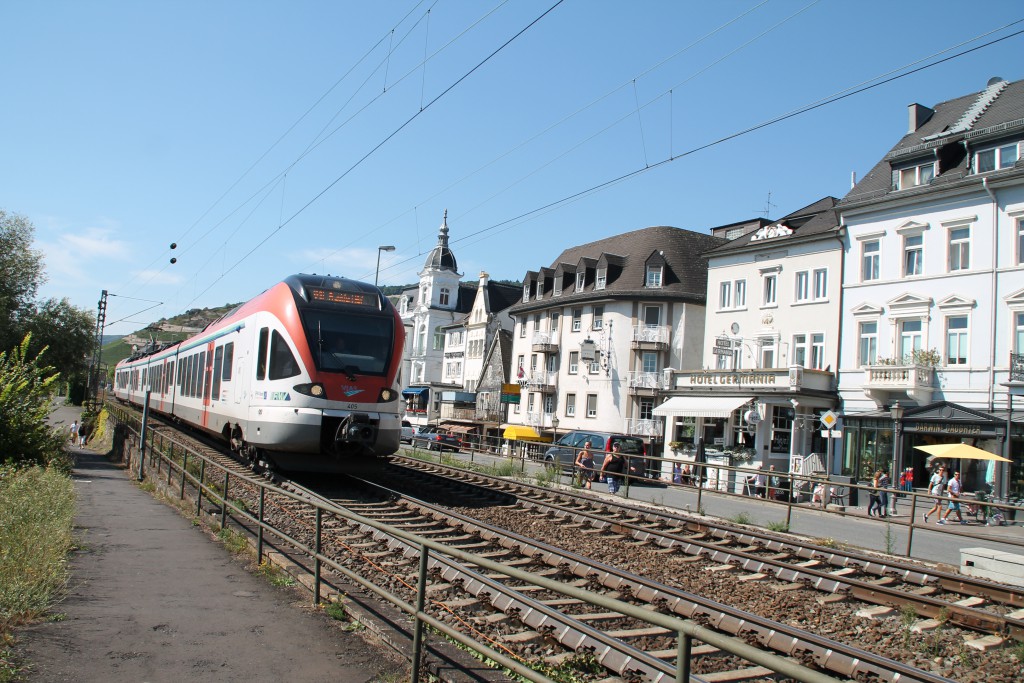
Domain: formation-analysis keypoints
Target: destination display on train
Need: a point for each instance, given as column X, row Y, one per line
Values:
column 336, row 296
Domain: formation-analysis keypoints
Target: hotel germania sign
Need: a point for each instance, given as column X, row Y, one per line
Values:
column 731, row 378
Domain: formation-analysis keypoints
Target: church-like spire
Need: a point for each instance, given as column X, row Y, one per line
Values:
column 441, row 257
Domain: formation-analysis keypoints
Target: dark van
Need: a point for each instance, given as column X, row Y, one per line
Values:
column 563, row 452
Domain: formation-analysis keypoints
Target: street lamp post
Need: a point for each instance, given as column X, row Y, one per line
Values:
column 554, row 428
column 896, row 412
column 376, row 273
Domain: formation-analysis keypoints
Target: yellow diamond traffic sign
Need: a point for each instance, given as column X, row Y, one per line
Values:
column 829, row 419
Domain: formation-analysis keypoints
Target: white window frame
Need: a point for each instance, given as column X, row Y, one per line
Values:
column 770, row 290
column 649, row 361
column 530, row 401
column 915, row 176
column 739, row 298
column 558, row 285
column 522, row 328
column 443, row 295
column 652, row 278
column 802, row 287
column 725, row 295
column 555, row 317
column 958, row 246
column 526, row 292
column 577, row 319
column 1001, row 157
column 909, row 249
column 598, row 321
column 591, row 405
column 601, row 279
column 916, row 338
column 871, row 251
column 1020, row 241
column 594, row 367
column 801, row 351
column 1018, row 336
column 869, row 338
column 817, row 350
column 581, row 280
column 963, row 339
column 819, row 284
column 574, row 362
column 766, row 351
column 570, row 405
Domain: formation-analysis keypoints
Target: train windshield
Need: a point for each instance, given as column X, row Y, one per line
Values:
column 349, row 343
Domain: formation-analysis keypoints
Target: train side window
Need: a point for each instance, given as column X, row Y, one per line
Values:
column 261, row 359
column 181, row 376
column 218, row 359
column 196, row 377
column 145, row 371
column 186, row 388
column 204, row 376
column 282, row 362
column 229, row 359
column 170, row 373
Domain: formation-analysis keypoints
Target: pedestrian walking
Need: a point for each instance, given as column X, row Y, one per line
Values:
column 74, row 433
column 874, row 499
column 613, row 468
column 585, row 466
column 884, row 483
column 936, row 485
column 953, row 490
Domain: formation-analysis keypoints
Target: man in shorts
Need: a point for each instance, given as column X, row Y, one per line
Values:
column 953, row 489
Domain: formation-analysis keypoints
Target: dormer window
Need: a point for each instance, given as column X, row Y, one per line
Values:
column 653, row 277
column 913, row 176
column 602, row 278
column 444, row 296
column 581, row 279
column 997, row 158
column 526, row 292
column 558, row 286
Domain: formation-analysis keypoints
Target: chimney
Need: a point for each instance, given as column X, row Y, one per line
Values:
column 484, row 277
column 919, row 115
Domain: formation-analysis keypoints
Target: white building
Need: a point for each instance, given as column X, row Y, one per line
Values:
column 770, row 348
column 596, row 330
column 933, row 297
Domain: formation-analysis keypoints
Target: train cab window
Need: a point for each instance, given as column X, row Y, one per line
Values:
column 282, row 362
column 218, row 360
column 261, row 357
column 229, row 358
column 345, row 342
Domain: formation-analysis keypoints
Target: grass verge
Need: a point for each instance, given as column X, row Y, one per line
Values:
column 35, row 537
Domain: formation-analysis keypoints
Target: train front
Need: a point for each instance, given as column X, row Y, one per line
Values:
column 352, row 346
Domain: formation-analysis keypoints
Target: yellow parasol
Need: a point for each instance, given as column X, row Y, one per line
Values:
column 961, row 451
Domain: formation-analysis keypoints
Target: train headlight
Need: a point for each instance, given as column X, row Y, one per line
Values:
column 387, row 395
column 316, row 390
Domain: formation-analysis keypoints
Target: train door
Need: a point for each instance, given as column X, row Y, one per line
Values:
column 206, row 363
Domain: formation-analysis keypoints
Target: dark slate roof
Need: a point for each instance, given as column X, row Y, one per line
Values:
column 501, row 295
column 815, row 219
column 977, row 119
column 684, row 278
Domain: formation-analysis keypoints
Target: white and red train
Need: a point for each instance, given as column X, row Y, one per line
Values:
column 306, row 376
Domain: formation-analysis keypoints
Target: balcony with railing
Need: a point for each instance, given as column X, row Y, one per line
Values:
column 645, row 383
column 538, row 420
column 646, row 428
column 885, row 383
column 650, row 337
column 544, row 342
column 541, row 380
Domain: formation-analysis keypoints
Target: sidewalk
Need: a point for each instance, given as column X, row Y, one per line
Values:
column 152, row 599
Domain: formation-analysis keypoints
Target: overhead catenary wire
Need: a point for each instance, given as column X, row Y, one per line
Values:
column 840, row 95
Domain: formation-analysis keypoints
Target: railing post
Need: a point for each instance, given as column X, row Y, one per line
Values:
column 184, row 468
column 910, row 527
column 683, row 658
column 417, row 633
column 224, row 501
column 259, row 530
column 789, row 504
column 199, row 488
column 699, row 469
column 316, row 556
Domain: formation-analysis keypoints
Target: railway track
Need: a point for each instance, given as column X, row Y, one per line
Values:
column 972, row 603
column 533, row 623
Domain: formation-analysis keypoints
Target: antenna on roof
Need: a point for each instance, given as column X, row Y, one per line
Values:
column 768, row 206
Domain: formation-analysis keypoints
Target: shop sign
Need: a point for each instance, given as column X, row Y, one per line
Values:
column 733, row 378
column 939, row 428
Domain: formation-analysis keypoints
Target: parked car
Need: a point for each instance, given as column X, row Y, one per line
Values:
column 408, row 431
column 436, row 439
column 563, row 452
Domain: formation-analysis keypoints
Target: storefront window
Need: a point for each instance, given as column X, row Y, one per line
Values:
column 868, row 449
column 782, row 430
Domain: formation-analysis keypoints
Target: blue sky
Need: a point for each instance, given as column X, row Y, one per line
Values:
column 269, row 138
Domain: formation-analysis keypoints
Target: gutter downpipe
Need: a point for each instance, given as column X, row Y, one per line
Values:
column 841, row 237
column 1003, row 468
column 992, row 312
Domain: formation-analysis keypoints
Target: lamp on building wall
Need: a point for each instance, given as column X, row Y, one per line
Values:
column 896, row 412
column 376, row 273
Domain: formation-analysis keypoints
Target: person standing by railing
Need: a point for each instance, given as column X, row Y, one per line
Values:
column 936, row 485
column 585, row 466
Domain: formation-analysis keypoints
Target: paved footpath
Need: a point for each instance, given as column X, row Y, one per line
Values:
column 152, row 599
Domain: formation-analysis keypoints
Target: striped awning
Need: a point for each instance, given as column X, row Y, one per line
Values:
column 700, row 406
